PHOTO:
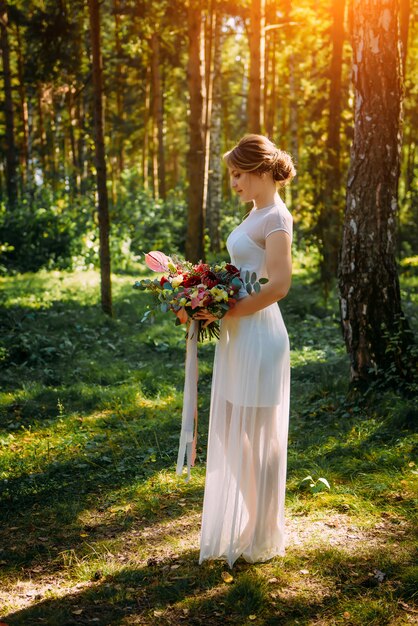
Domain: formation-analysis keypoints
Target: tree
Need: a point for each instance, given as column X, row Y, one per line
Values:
column 330, row 217
column 11, row 160
column 256, row 82
column 214, row 203
column 158, row 117
column 195, row 222
column 374, row 327
column 103, row 209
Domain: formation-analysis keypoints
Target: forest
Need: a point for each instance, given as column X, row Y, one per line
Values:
column 114, row 117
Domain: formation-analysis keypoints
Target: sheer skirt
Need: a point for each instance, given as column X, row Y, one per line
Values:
column 243, row 509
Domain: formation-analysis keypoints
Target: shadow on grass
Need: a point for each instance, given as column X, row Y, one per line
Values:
column 178, row 590
column 125, row 468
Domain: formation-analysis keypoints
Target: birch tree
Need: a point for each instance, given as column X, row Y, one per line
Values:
column 374, row 328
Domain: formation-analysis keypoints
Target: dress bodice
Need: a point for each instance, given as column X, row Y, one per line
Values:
column 246, row 243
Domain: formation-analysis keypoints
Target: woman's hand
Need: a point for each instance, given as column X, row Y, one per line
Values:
column 206, row 316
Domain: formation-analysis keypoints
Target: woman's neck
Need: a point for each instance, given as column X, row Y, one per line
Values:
column 264, row 200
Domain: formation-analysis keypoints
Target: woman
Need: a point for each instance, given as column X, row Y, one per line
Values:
column 243, row 508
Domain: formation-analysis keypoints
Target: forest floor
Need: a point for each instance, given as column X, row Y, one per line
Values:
column 96, row 528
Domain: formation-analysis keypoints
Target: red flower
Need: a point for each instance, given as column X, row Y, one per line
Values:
column 191, row 280
column 231, row 268
column 163, row 280
column 201, row 268
column 209, row 279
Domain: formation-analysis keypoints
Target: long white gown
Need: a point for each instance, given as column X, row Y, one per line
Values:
column 243, row 508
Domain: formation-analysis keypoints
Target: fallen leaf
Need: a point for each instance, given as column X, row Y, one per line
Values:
column 158, row 613
column 77, row 611
column 272, row 580
column 226, row 577
column 304, row 571
column 252, row 617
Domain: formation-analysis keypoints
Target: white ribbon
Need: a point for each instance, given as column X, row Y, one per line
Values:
column 188, row 435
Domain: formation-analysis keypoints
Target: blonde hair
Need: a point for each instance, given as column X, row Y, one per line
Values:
column 256, row 153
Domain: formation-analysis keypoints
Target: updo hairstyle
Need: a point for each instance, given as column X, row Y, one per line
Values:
column 256, row 153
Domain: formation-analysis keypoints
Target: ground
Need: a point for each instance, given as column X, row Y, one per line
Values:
column 97, row 528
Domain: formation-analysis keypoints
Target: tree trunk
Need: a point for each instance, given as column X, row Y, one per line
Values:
column 103, row 210
column 158, row 115
column 119, row 89
column 271, row 96
column 256, row 45
column 330, row 217
column 145, row 146
column 293, row 97
column 73, row 165
column 195, row 222
column 215, row 163
column 11, row 160
column 374, row 327
column 26, row 174
column 405, row 14
column 208, row 100
column 41, row 128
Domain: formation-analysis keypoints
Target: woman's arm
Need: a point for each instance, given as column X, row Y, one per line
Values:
column 279, row 273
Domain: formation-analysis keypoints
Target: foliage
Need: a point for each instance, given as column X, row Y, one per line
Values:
column 50, row 58
column 41, row 232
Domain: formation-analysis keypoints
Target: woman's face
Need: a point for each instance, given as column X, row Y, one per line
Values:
column 247, row 185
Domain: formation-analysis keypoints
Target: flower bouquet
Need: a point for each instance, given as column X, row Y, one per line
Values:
column 186, row 288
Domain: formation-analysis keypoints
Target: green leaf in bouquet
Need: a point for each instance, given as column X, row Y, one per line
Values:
column 156, row 281
column 263, row 281
column 247, row 276
column 164, row 307
column 257, row 287
column 168, row 286
column 253, row 278
column 249, row 288
column 236, row 282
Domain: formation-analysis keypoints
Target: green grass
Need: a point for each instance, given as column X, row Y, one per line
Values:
column 97, row 528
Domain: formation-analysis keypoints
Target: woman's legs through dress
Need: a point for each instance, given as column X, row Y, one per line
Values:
column 256, row 475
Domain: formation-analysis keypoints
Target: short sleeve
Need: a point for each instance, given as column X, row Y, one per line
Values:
column 278, row 220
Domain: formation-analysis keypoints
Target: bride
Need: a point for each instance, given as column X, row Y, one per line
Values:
column 243, row 508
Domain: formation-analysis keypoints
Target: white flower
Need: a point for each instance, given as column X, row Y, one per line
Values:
column 177, row 280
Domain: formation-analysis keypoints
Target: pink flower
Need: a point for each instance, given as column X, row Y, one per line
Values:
column 197, row 300
column 157, row 261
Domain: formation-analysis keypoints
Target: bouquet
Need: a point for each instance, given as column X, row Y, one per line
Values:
column 186, row 288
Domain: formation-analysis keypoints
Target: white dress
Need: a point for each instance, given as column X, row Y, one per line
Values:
column 243, row 508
